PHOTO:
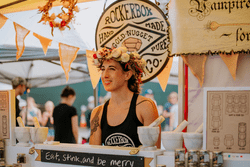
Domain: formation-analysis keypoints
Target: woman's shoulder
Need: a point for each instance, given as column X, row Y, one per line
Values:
column 98, row 108
column 147, row 102
column 146, row 109
column 97, row 111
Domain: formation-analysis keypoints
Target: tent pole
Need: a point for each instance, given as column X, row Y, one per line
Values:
column 96, row 96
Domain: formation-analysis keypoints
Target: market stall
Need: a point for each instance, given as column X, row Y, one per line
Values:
column 156, row 40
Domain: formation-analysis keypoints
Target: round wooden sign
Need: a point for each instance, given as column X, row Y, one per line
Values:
column 140, row 26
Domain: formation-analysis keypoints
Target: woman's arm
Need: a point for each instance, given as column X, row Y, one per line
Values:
column 74, row 121
column 23, row 115
column 39, row 115
column 147, row 113
column 44, row 118
column 95, row 126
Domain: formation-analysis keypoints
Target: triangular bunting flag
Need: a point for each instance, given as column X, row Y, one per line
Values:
column 94, row 73
column 45, row 42
column 147, row 162
column 231, row 62
column 196, row 63
column 21, row 34
column 164, row 75
column 3, row 20
column 67, row 56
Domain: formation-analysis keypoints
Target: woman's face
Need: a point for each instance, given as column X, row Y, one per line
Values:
column 113, row 77
column 49, row 107
column 173, row 99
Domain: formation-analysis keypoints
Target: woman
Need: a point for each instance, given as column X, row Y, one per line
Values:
column 115, row 122
column 65, row 118
column 48, row 120
column 169, row 116
column 32, row 112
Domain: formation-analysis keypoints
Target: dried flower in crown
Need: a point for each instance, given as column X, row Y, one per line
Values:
column 133, row 59
column 61, row 20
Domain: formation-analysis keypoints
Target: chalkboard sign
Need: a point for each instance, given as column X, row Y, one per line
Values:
column 90, row 159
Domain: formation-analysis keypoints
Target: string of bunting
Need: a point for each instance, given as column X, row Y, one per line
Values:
column 67, row 53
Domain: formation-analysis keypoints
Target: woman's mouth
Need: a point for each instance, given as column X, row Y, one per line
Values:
column 107, row 82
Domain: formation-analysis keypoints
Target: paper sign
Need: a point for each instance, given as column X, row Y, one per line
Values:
column 200, row 26
column 228, row 126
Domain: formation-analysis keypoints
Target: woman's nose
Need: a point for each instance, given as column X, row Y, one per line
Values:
column 105, row 73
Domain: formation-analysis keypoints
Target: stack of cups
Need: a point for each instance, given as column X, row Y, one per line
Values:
column 193, row 158
column 204, row 158
column 180, row 157
column 2, row 148
column 217, row 159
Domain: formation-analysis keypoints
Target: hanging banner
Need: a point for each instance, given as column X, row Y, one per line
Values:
column 67, row 55
column 3, row 20
column 140, row 26
column 21, row 34
column 200, row 26
column 45, row 42
column 95, row 73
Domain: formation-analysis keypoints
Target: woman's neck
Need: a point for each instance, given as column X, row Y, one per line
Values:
column 65, row 101
column 121, row 96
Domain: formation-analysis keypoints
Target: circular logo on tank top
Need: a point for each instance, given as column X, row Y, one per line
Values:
column 119, row 139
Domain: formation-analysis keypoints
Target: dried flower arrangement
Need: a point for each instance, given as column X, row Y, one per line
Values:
column 65, row 17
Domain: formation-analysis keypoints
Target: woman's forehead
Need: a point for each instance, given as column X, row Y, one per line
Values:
column 110, row 63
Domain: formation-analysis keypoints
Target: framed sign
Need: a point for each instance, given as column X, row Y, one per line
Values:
column 203, row 26
column 140, row 26
column 4, row 114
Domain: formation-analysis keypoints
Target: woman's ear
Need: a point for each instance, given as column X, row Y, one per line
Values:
column 128, row 75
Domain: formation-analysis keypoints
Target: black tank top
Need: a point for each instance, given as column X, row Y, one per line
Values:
column 124, row 134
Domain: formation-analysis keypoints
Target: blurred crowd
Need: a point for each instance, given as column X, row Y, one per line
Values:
column 65, row 115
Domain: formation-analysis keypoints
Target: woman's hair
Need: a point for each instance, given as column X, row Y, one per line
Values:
column 68, row 91
column 49, row 103
column 133, row 83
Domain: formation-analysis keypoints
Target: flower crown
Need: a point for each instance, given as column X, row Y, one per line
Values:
column 132, row 60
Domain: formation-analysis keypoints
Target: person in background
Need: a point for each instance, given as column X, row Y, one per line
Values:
column 19, row 84
column 90, row 107
column 48, row 121
column 115, row 122
column 65, row 118
column 83, row 123
column 149, row 94
column 174, row 116
column 30, row 112
column 172, row 100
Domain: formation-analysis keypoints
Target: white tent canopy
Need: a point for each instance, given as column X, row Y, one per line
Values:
column 40, row 73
